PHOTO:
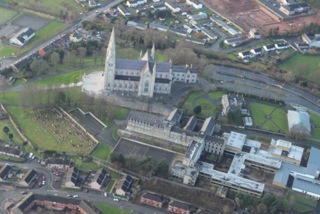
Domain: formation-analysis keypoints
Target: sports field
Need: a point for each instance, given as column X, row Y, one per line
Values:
column 269, row 117
column 6, row 15
column 305, row 66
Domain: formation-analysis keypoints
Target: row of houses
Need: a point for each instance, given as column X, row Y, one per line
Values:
column 173, row 206
column 261, row 50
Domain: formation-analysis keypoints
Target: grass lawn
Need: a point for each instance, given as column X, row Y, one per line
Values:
column 64, row 78
column 187, row 105
column 10, row 158
column 6, row 15
column 120, row 113
column 43, row 34
column 18, row 82
column 110, row 185
column 86, row 166
column 315, row 122
column 216, row 94
column 260, row 113
column 107, row 209
column 3, row 136
column 303, row 65
column 301, row 203
column 115, row 135
column 206, row 107
column 52, row 7
column 102, row 151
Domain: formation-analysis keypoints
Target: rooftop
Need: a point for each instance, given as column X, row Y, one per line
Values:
column 236, row 140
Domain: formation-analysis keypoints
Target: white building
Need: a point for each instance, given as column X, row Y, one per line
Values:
column 285, row 151
column 135, row 3
column 194, row 3
column 193, row 153
column 22, row 37
column 299, row 122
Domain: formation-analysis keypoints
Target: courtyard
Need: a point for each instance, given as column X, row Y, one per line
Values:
column 268, row 117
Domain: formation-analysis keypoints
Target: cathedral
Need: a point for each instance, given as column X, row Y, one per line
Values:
column 143, row 77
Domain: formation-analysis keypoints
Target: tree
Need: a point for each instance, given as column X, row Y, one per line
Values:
column 82, row 51
column 6, row 129
column 54, row 60
column 39, row 66
column 197, row 110
column 162, row 168
column 10, row 136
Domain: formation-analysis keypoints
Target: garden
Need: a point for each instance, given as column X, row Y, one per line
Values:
column 269, row 117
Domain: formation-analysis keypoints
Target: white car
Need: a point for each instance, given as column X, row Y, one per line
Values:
column 105, row 194
column 115, row 199
column 76, row 196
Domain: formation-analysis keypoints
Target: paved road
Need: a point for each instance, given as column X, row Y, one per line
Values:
column 261, row 85
column 48, row 189
column 10, row 61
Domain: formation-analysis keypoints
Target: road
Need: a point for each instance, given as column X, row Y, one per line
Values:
column 90, row 15
column 92, row 196
column 247, row 82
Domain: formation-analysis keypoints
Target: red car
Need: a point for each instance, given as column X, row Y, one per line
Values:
column 43, row 177
column 56, row 173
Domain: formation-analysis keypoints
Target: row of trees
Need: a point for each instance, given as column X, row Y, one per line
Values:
column 146, row 166
column 268, row 204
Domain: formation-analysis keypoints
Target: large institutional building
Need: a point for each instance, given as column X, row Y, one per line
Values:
column 144, row 77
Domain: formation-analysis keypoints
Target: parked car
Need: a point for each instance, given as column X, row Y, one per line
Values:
column 115, row 199
column 76, row 196
column 24, row 192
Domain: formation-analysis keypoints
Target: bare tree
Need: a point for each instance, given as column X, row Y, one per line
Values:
column 54, row 60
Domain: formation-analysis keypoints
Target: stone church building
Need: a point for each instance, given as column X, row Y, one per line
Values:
column 143, row 77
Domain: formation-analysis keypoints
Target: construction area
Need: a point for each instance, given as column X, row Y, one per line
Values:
column 248, row 14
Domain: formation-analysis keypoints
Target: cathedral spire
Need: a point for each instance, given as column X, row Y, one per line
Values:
column 153, row 51
column 111, row 51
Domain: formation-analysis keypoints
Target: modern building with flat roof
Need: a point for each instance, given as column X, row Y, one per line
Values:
column 299, row 122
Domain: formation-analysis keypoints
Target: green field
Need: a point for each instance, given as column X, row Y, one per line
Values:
column 269, row 117
column 86, row 166
column 315, row 122
column 51, row 7
column 48, row 31
column 64, row 78
column 216, row 95
column 102, row 151
column 108, row 209
column 6, row 15
column 3, row 136
column 301, row 203
column 305, row 66
column 206, row 106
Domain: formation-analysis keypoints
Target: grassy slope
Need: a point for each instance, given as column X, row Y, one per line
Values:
column 3, row 136
column 307, row 66
column 106, row 209
column 315, row 121
column 102, row 151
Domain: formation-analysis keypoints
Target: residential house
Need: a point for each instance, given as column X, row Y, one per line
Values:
column 123, row 11
column 235, row 41
column 179, row 207
column 141, row 11
column 209, row 33
column 71, row 180
column 22, row 37
column 75, row 37
column 4, row 172
column 244, row 54
column 254, row 34
column 295, row 8
column 178, row 31
column 256, row 51
column 11, row 151
column 312, row 40
column 152, row 200
column 159, row 27
column 269, row 48
column 194, row 3
column 231, row 102
column 58, row 163
column 28, row 177
column 92, row 3
column 173, row 6
column 224, row 25
column 137, row 25
column 156, row 7
column 198, row 16
column 99, row 180
column 281, row 46
column 135, row 3
column 125, row 186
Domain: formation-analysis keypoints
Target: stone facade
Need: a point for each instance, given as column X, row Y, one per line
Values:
column 143, row 77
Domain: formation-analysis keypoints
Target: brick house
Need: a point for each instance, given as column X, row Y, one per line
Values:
column 178, row 207
column 152, row 200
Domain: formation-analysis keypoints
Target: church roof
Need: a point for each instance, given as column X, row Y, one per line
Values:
column 183, row 69
column 141, row 65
